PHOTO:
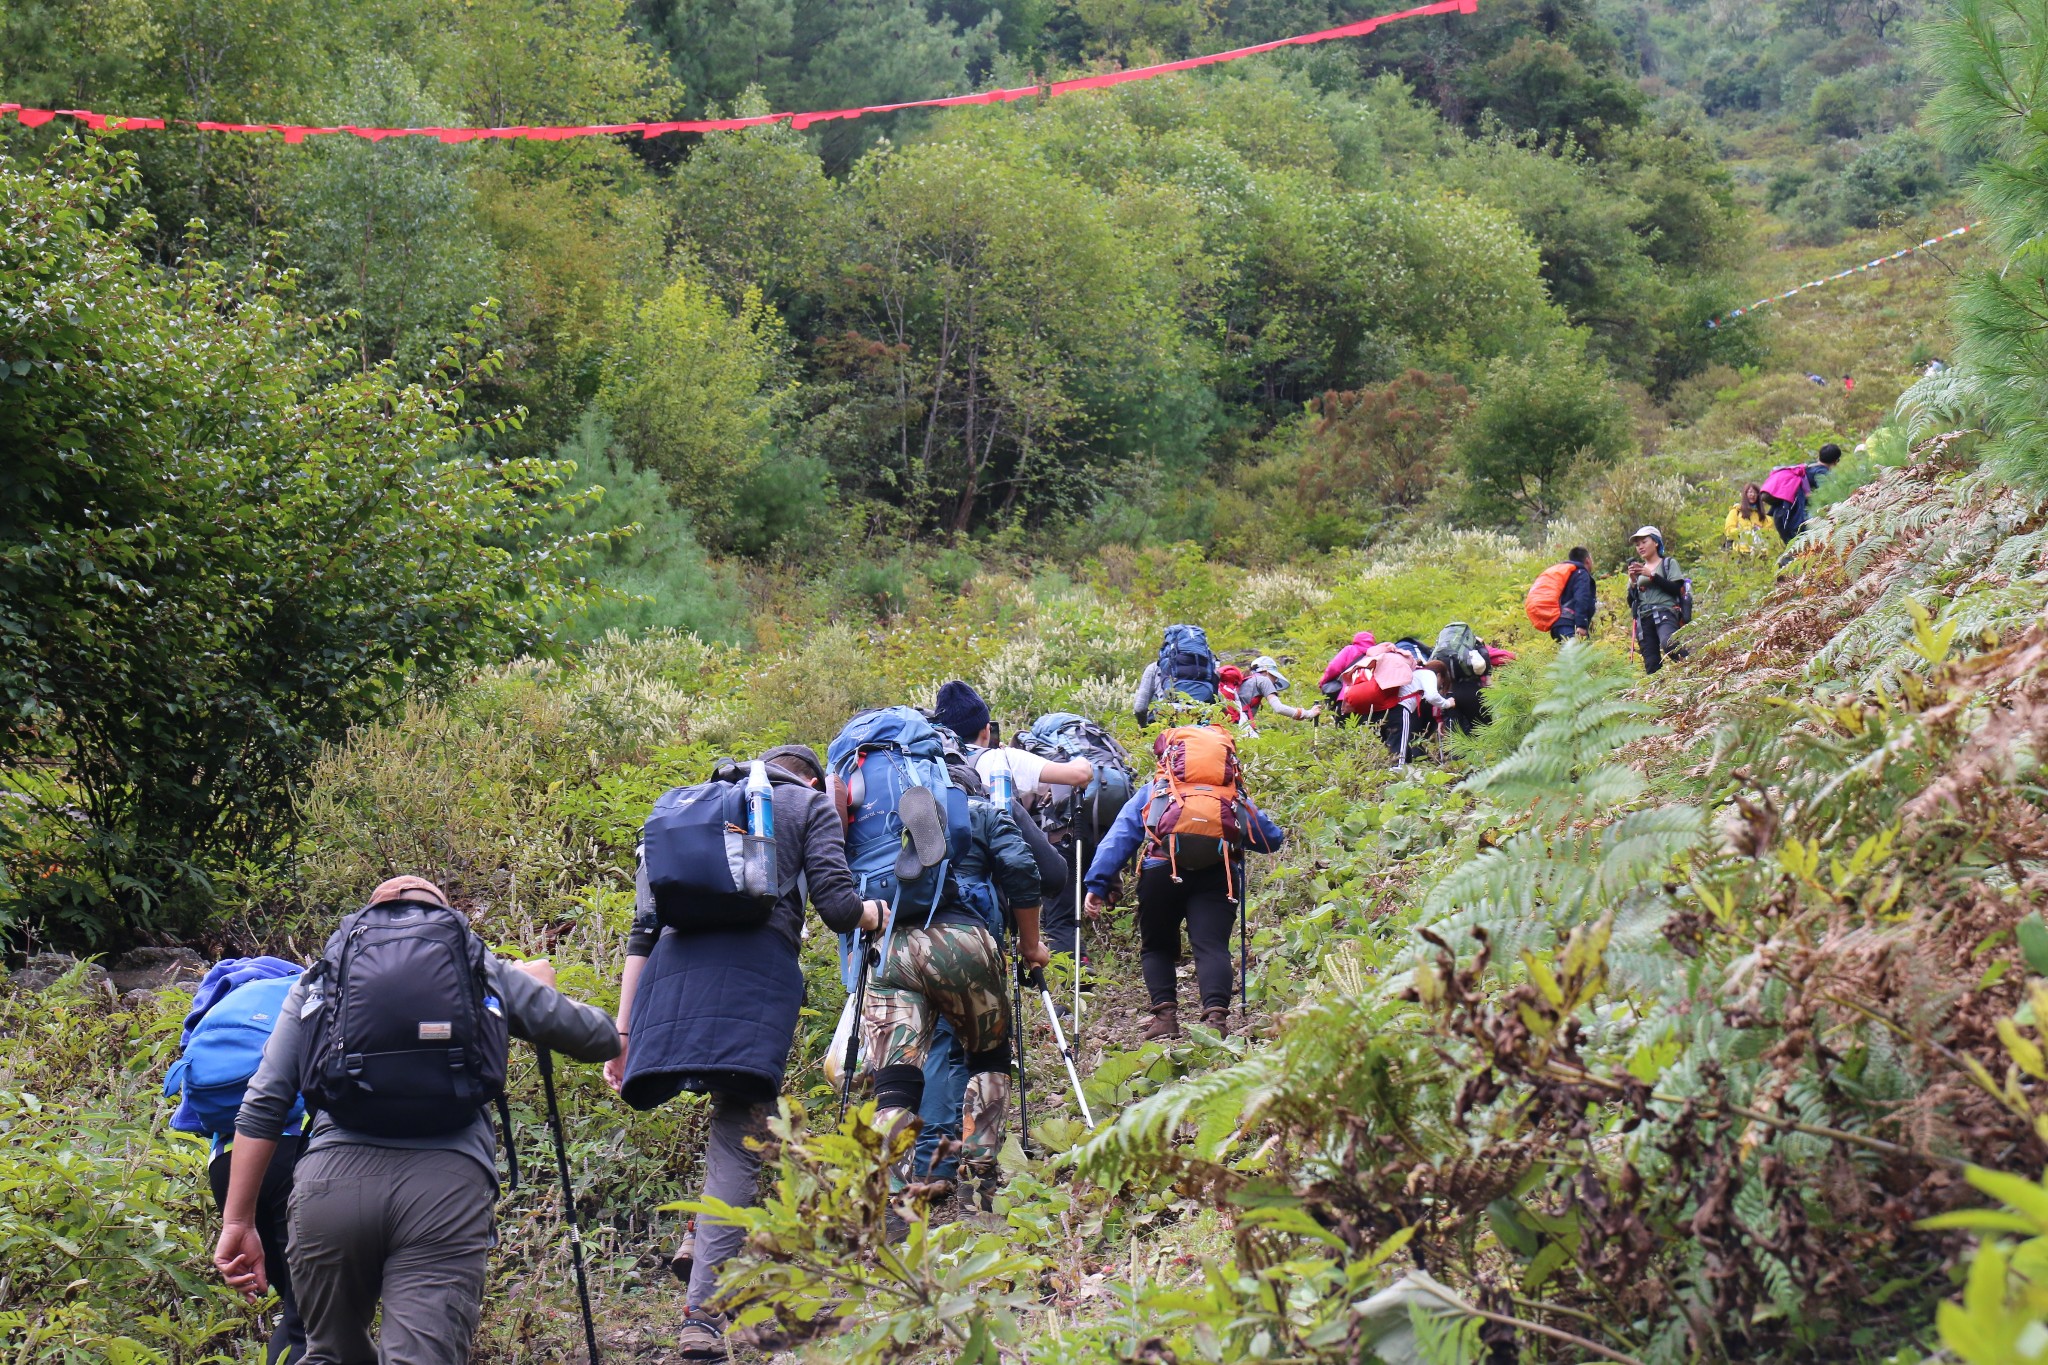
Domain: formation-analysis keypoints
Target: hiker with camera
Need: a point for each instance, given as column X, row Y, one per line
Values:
column 398, row 1040
column 1659, row 598
column 712, row 986
column 1195, row 825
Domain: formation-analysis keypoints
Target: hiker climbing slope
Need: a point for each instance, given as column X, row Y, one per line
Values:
column 937, row 1158
column 951, row 867
column 1264, row 683
column 1184, row 674
column 711, row 992
column 1563, row 599
column 398, row 1040
column 1195, row 826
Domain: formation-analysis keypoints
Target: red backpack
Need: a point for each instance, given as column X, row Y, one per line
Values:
column 1197, row 815
column 1228, row 679
column 1374, row 683
column 1545, row 602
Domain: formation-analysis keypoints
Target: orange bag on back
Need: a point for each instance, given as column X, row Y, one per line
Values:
column 1545, row 602
column 1201, row 814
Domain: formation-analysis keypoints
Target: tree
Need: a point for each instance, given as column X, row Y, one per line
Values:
column 222, row 544
column 693, row 388
column 1536, row 420
column 1384, row 443
column 387, row 229
column 1992, row 60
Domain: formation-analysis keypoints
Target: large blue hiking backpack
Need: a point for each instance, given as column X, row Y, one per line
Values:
column 1089, row 812
column 1186, row 664
column 222, row 1054
column 694, row 849
column 877, row 757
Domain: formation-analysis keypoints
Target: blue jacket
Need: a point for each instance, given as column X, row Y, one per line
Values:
column 1578, row 602
column 1128, row 835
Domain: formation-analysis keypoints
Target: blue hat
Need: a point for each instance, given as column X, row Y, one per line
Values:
column 960, row 709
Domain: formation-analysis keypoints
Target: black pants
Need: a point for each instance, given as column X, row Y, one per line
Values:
column 1470, row 712
column 1398, row 728
column 1654, row 629
column 1209, row 906
column 1056, row 918
column 273, row 1214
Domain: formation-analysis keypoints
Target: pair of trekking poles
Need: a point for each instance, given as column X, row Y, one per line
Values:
column 1033, row 977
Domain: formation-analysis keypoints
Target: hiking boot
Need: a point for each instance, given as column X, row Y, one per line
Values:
column 702, row 1337
column 684, row 1258
column 1217, row 1017
column 1165, row 1022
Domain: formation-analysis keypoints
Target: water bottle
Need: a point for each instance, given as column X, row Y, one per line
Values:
column 1001, row 789
column 758, row 865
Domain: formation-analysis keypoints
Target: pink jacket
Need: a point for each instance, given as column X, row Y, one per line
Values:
column 1348, row 655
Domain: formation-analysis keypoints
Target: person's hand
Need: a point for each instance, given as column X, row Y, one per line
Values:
column 873, row 915
column 1035, row 952
column 539, row 968
column 239, row 1258
column 1094, row 906
column 1312, row 713
column 615, row 1069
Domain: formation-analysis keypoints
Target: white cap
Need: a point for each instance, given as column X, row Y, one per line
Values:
column 1649, row 531
column 1265, row 664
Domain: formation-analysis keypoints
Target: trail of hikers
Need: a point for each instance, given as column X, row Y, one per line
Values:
column 350, row 1100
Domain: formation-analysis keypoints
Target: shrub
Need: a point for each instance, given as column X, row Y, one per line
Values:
column 1384, row 443
column 1537, row 421
column 660, row 574
column 224, row 543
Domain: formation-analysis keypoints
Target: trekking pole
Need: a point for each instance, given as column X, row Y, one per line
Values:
column 1023, row 1076
column 1244, row 969
column 1080, row 916
column 860, row 1002
column 1059, row 1037
column 547, row 1081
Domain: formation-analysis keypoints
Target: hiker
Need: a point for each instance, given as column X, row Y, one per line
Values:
column 1787, row 486
column 1332, row 681
column 1184, row 674
column 1817, row 380
column 1747, row 519
column 1035, row 782
column 394, row 1191
column 1848, row 384
column 713, row 1010
column 936, row 1161
column 960, row 709
column 1469, row 662
column 947, row 963
column 1074, row 817
column 1563, row 598
column 234, row 1010
column 1195, row 877
column 1656, row 598
column 1265, row 683
column 1429, row 685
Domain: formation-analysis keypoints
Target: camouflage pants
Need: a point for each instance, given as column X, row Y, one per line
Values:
column 954, row 971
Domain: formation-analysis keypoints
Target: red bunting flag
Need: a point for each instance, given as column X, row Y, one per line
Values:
column 296, row 133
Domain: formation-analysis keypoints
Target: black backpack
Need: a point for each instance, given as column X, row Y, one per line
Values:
column 409, row 1041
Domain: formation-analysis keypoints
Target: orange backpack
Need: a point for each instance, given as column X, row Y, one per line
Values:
column 1545, row 602
column 1374, row 683
column 1197, row 812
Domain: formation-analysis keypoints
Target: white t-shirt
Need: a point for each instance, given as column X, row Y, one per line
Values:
column 1023, row 766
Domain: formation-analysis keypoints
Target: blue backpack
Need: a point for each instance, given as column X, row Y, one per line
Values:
column 222, row 1055
column 694, row 849
column 1186, row 664
column 876, row 758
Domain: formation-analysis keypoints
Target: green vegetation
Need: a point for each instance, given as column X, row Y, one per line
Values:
column 434, row 508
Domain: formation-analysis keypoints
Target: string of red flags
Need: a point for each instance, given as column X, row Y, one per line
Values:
column 1900, row 254
column 297, row 132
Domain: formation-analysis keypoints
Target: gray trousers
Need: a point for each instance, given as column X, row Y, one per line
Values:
column 409, row 1228
column 731, row 1173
